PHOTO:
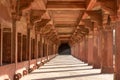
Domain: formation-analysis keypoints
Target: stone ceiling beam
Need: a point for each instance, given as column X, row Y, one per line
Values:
column 64, row 25
column 66, row 5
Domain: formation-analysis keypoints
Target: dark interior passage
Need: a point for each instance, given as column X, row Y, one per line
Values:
column 64, row 49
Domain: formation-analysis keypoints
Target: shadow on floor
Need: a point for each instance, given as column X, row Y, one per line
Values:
column 64, row 77
column 61, row 71
column 65, row 67
column 64, row 64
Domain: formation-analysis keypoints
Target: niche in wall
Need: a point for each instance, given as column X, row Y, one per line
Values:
column 24, row 48
column 19, row 47
column 33, row 55
column 6, row 47
column 39, row 54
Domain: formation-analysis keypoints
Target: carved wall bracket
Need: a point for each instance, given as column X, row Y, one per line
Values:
column 97, row 16
column 88, row 24
column 110, row 5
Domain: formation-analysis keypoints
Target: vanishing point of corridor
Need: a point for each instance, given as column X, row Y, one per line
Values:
column 66, row 67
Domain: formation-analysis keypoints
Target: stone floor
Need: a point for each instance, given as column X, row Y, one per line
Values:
column 66, row 67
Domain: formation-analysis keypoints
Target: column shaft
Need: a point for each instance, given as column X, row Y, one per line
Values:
column 107, row 52
column 96, row 60
column 117, row 54
column 90, row 49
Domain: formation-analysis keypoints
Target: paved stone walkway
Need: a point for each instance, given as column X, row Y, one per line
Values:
column 66, row 67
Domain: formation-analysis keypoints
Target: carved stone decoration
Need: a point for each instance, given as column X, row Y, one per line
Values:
column 49, row 34
column 107, row 22
column 71, row 42
column 20, row 5
column 46, row 29
column 88, row 24
column 106, row 19
column 12, row 4
column 76, row 37
column 41, row 24
column 110, row 5
column 52, row 37
column 83, row 30
column 35, row 15
column 97, row 16
column 79, row 34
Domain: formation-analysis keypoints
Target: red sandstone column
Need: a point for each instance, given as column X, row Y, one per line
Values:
column 77, row 46
column 107, row 52
column 71, row 50
column 47, row 49
column 90, row 49
column 79, row 50
column 100, row 45
column 117, row 54
column 28, row 44
column 96, row 60
column 14, row 40
column 82, row 53
column 86, row 49
column 36, row 47
column 0, row 45
column 75, row 50
column 41, row 46
column 54, row 49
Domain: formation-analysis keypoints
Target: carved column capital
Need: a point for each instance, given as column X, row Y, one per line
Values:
column 15, row 16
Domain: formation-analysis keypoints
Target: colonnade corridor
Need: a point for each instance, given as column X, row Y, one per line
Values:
column 85, row 33
column 66, row 67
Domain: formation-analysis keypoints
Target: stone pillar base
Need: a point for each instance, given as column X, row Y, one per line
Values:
column 96, row 67
column 89, row 64
column 107, row 70
column 116, row 76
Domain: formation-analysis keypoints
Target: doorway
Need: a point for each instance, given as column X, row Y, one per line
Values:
column 64, row 49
